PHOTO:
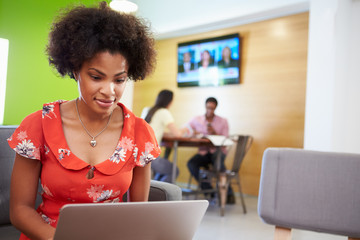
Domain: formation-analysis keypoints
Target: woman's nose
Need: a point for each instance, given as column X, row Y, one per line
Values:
column 108, row 88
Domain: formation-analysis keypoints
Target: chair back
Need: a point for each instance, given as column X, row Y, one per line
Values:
column 311, row 190
column 163, row 191
column 7, row 156
column 241, row 146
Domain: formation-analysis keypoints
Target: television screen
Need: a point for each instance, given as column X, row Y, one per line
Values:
column 209, row 62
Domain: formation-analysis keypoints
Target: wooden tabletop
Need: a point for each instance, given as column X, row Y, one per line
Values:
column 185, row 141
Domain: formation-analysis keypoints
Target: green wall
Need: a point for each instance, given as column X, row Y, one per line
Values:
column 31, row 82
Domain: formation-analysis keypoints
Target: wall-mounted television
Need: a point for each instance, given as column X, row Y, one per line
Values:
column 209, row 62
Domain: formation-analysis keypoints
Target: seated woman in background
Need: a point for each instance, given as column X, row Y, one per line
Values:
column 160, row 119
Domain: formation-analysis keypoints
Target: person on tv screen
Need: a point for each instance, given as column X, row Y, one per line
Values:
column 91, row 149
column 208, row 72
column 206, row 59
column 187, row 65
column 227, row 61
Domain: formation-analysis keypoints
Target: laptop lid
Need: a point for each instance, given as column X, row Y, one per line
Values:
column 163, row 220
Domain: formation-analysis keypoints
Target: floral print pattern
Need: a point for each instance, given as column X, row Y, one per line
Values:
column 47, row 149
column 21, row 135
column 98, row 194
column 47, row 219
column 47, row 110
column 118, row 155
column 135, row 153
column 146, row 156
column 63, row 153
column 46, row 190
column 126, row 143
column 27, row 149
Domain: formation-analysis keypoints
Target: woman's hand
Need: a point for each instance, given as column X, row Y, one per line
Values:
column 210, row 129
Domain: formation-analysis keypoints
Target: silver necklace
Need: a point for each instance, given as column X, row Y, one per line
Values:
column 92, row 141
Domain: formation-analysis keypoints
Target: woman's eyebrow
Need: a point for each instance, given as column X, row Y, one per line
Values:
column 103, row 74
column 120, row 73
column 99, row 72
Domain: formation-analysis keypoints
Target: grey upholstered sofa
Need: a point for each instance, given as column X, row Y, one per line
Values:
column 159, row 191
column 310, row 190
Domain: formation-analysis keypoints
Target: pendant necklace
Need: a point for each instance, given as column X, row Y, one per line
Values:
column 92, row 141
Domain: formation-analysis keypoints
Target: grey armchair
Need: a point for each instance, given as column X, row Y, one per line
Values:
column 159, row 191
column 310, row 190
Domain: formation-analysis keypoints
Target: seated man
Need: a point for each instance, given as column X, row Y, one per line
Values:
column 208, row 124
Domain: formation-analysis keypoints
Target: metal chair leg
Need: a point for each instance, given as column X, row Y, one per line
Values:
column 223, row 188
column 189, row 182
column 241, row 194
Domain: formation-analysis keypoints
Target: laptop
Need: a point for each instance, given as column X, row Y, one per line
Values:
column 162, row 220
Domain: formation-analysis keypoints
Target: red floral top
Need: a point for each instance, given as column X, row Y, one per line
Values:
column 63, row 175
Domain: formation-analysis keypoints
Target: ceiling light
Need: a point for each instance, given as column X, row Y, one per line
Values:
column 123, row 6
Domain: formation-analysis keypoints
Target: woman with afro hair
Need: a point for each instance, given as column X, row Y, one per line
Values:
column 91, row 149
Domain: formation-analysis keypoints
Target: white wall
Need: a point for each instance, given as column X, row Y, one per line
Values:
column 4, row 52
column 128, row 95
column 186, row 17
column 332, row 114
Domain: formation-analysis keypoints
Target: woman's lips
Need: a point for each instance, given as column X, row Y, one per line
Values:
column 104, row 103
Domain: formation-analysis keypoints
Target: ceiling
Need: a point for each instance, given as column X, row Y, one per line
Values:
column 170, row 18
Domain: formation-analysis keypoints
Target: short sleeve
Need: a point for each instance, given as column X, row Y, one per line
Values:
column 147, row 148
column 166, row 116
column 27, row 139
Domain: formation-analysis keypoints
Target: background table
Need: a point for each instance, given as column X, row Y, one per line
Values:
column 175, row 142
